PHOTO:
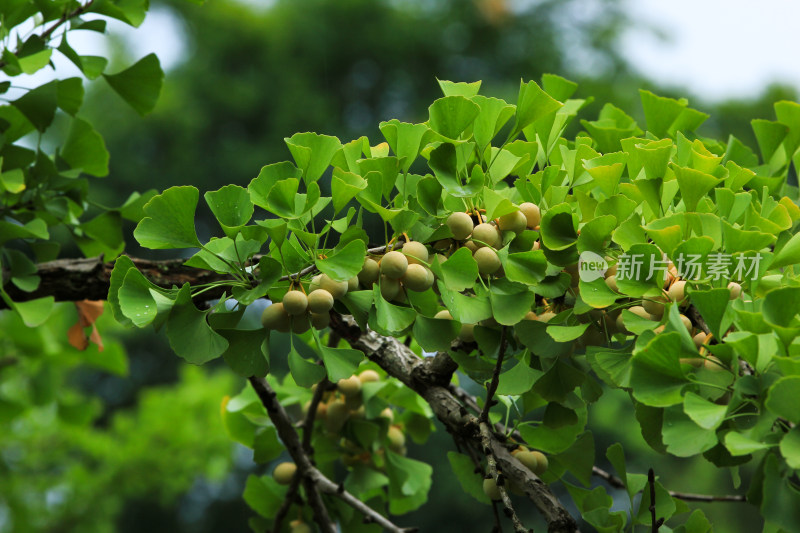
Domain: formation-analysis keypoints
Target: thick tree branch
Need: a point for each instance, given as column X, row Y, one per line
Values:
column 499, row 478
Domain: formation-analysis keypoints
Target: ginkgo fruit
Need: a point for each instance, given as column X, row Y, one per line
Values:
column 491, row 490
column 369, row 376
column 336, row 416
column 320, row 320
column 736, row 290
column 295, row 302
column 516, row 222
column 467, row 333
column 275, row 317
column 396, row 438
column 677, row 291
column 284, row 473
column 417, row 278
column 415, row 252
column 370, row 272
column 300, row 324
column 336, row 288
column 394, row 265
column 488, row 262
column 611, row 281
column 460, row 225
column 349, row 386
column 486, row 235
column 541, row 463
column 532, row 214
column 298, row 526
column 320, row 301
column 390, row 288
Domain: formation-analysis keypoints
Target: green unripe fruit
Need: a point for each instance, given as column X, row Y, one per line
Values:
column 275, row 317
column 295, row 302
column 467, row 333
column 487, row 234
column 320, row 301
column 677, row 291
column 336, row 416
column 369, row 376
column 299, row 527
column 528, row 459
column 300, row 324
column 654, row 307
column 491, row 490
column 352, row 284
column 320, row 320
column 415, row 252
column 417, row 278
column 460, row 225
column 336, row 288
column 394, row 265
column 516, row 222
column 284, row 473
column 396, row 438
column 532, row 214
column 444, row 314
column 349, row 386
column 541, row 463
column 369, row 272
column 390, row 288
column 488, row 262
column 736, row 290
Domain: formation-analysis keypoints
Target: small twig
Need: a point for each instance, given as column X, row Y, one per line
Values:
column 308, row 424
column 617, row 483
column 484, row 416
column 288, row 500
column 313, row 268
column 651, row 480
column 486, row 440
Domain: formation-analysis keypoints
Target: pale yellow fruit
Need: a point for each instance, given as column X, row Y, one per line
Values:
column 349, row 386
column 314, row 285
column 352, row 284
column 320, row 320
column 471, row 246
column 369, row 376
column 467, row 333
column 528, row 459
column 547, row 316
column 336, row 416
column 336, row 288
column 444, row 314
column 394, row 265
column 415, row 252
column 299, row 527
column 700, row 339
column 369, row 272
column 388, row 414
column 530, row 315
column 687, row 323
column 275, row 317
column 640, row 311
column 611, row 281
column 390, row 288
column 488, row 262
column 284, row 473
column 654, row 307
column 295, row 302
column 491, row 490
column 460, row 225
column 320, row 301
column 417, row 278
column 486, row 235
column 396, row 438
column 677, row 291
column 736, row 290
column 541, row 462
column 532, row 214
column 516, row 222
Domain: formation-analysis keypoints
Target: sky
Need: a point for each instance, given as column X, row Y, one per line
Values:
column 718, row 49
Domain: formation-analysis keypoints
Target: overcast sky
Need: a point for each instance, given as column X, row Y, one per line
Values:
column 719, row 48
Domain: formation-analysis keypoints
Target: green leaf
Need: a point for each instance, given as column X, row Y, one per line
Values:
column 694, row 185
column 345, row 262
column 84, row 149
column 790, row 448
column 666, row 116
column 260, row 186
column 557, row 228
column 409, row 483
column 459, row 88
column 706, row 414
column 566, row 333
column 769, row 136
column 344, row 187
column 435, row 334
column 33, row 313
column 532, row 104
column 780, row 503
column 789, row 253
column 304, row 372
column 139, row 84
column 406, row 140
column 444, row 163
column 494, row 113
column 519, row 379
column 390, row 319
column 524, row 267
column 189, row 334
column 510, row 301
column 459, row 271
column 264, row 495
column 464, row 470
column 248, row 351
column 39, row 105
column 312, row 153
column 466, row 309
column 782, row 398
column 451, row 115
column 657, row 379
column 739, row 444
column 169, row 220
column 70, row 95
column 341, row 363
column 712, row 305
column 136, row 302
column 683, row 437
column 231, row 206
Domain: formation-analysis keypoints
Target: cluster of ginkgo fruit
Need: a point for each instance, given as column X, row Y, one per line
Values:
column 336, row 407
column 405, row 269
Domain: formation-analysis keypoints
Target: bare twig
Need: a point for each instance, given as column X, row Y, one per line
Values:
column 290, row 498
column 494, row 472
column 617, row 483
column 308, row 424
column 484, row 416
